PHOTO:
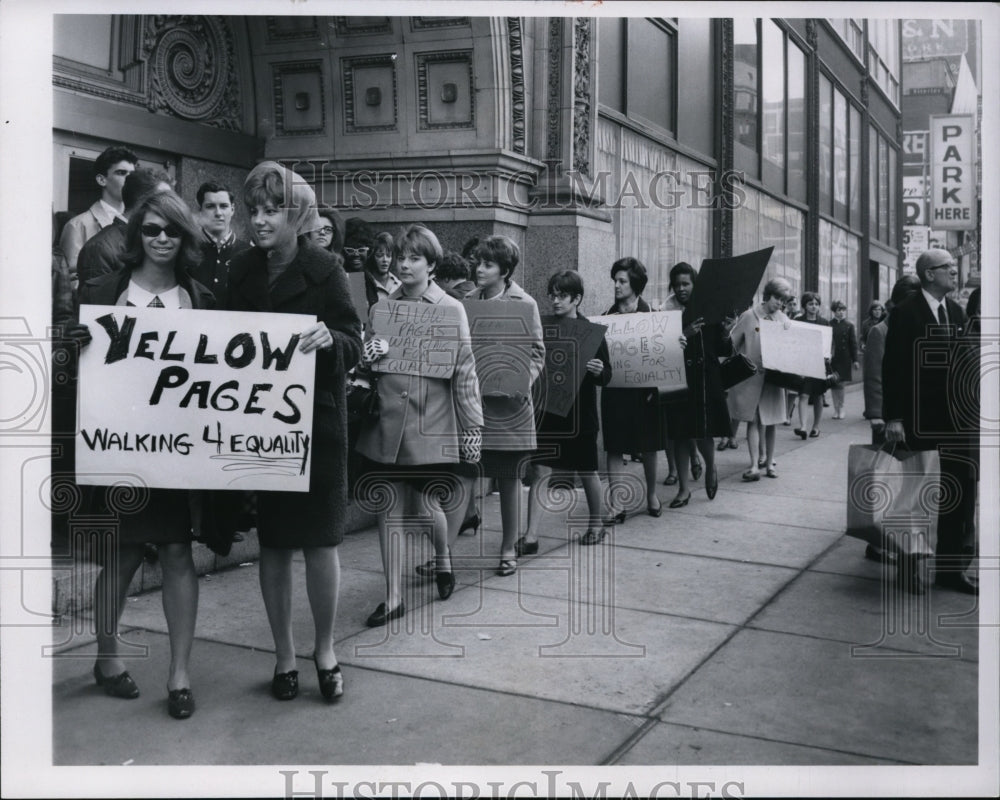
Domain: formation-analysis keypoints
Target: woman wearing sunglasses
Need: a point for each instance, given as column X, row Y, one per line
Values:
column 162, row 243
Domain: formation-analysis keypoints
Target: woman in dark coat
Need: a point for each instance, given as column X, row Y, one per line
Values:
column 845, row 354
column 632, row 418
column 814, row 387
column 697, row 415
column 161, row 246
column 287, row 273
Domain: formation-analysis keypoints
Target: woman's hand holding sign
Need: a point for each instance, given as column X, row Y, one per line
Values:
column 317, row 337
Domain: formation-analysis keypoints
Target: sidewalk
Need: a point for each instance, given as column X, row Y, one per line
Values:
column 720, row 633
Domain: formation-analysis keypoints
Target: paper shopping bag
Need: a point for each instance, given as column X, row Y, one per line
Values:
column 892, row 498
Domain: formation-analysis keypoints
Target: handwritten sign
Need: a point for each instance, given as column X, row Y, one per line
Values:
column 194, row 399
column 645, row 350
column 423, row 338
column 798, row 350
column 502, row 341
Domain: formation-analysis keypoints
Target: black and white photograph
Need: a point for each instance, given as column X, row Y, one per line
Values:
column 514, row 399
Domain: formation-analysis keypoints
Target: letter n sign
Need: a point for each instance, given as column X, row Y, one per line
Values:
column 953, row 172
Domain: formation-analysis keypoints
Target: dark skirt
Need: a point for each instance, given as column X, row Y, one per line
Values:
column 632, row 421
column 148, row 516
column 686, row 418
column 375, row 494
column 504, row 463
column 292, row 520
column 559, row 447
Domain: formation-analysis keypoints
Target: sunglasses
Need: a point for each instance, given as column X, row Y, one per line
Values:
column 152, row 230
column 355, row 251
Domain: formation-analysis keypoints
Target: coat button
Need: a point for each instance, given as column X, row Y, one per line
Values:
column 404, row 394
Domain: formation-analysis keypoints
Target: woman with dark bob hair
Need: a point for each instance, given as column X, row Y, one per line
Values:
column 329, row 233
column 508, row 421
column 632, row 418
column 161, row 245
column 287, row 273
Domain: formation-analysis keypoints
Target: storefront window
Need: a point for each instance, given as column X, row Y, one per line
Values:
column 796, row 122
column 854, row 169
column 839, row 156
column 746, row 87
column 765, row 221
column 825, row 144
column 650, row 222
column 650, row 67
column 611, row 79
column 773, row 88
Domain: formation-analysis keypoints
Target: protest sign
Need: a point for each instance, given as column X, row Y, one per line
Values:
column 645, row 350
column 423, row 338
column 194, row 399
column 726, row 286
column 799, row 349
column 359, row 296
column 502, row 342
column 569, row 345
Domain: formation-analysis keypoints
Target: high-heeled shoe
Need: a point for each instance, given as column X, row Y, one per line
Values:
column 696, row 470
column 120, row 685
column 471, row 522
column 331, row 683
column 619, row 518
column 678, row 503
column 180, row 703
column 285, row 685
column 655, row 512
column 445, row 583
column 525, row 548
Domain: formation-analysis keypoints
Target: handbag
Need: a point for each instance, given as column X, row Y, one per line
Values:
column 736, row 369
column 362, row 399
column 892, row 498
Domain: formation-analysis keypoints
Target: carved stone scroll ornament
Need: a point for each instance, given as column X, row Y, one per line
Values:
column 514, row 35
column 192, row 69
column 582, row 95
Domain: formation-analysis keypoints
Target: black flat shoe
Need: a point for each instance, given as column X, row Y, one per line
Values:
column 446, row 584
column 594, row 537
column 678, row 503
column 712, row 486
column 471, row 522
column 331, row 683
column 696, row 470
column 285, row 685
column 670, row 480
column 654, row 512
column 957, row 582
column 523, row 548
column 619, row 518
column 380, row 616
column 120, row 685
column 873, row 553
column 801, row 433
column 180, row 703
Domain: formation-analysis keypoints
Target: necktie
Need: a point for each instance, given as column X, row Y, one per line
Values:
column 156, row 302
column 943, row 319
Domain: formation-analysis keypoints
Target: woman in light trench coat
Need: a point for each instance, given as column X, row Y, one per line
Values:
column 424, row 428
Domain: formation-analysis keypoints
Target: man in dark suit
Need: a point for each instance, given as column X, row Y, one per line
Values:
column 919, row 406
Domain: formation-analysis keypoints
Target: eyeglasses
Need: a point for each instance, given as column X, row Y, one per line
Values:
column 325, row 231
column 152, row 230
column 951, row 266
column 355, row 251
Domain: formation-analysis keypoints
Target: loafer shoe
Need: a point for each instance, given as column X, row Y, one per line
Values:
column 380, row 616
column 331, row 683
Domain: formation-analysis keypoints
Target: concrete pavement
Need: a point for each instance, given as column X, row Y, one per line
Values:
column 747, row 630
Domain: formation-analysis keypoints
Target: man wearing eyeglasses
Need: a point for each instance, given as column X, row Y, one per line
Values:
column 220, row 244
column 920, row 403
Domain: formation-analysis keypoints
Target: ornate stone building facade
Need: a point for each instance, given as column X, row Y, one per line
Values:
column 686, row 139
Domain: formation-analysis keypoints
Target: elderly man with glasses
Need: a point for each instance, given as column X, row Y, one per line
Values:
column 921, row 403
